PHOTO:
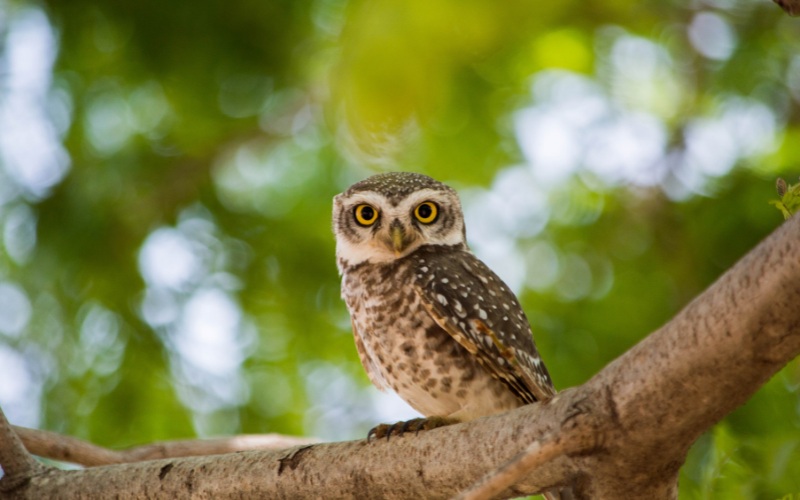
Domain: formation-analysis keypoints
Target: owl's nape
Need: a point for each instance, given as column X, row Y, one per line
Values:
column 430, row 320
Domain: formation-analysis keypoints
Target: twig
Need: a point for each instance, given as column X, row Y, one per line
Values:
column 69, row 449
column 534, row 455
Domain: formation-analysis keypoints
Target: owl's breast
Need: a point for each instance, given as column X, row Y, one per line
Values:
column 402, row 347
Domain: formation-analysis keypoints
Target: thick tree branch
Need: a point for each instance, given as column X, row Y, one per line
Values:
column 629, row 427
column 707, row 361
column 407, row 467
column 70, row 449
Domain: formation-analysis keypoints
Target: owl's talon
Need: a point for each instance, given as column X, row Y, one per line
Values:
column 378, row 432
column 393, row 430
column 407, row 424
column 397, row 429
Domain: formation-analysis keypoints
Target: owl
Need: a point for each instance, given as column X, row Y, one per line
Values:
column 431, row 321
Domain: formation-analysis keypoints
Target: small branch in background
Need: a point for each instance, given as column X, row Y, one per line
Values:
column 18, row 465
column 791, row 7
column 69, row 449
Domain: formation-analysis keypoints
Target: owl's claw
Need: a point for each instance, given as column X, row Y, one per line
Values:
column 415, row 424
column 378, row 432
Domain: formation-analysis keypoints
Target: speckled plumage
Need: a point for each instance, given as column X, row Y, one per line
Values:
column 431, row 321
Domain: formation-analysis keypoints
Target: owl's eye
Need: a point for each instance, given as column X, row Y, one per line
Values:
column 366, row 215
column 426, row 212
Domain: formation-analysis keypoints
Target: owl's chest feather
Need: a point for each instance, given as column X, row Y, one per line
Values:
column 403, row 348
column 389, row 321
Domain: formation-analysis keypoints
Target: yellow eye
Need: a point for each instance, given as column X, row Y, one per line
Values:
column 426, row 212
column 366, row 215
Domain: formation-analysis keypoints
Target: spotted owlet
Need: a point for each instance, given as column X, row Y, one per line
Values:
column 431, row 321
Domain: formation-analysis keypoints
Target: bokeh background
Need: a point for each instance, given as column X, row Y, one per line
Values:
column 166, row 173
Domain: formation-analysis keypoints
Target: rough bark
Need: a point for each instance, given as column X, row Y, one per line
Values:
column 623, row 434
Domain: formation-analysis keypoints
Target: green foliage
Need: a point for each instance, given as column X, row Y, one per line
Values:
column 790, row 198
column 166, row 173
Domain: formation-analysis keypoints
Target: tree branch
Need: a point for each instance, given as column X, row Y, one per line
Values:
column 69, row 449
column 18, row 465
column 414, row 466
column 536, row 454
column 628, row 428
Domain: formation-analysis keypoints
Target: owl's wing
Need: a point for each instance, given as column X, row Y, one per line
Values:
column 373, row 372
column 472, row 304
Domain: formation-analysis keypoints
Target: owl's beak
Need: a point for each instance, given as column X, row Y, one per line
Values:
column 399, row 240
column 399, row 243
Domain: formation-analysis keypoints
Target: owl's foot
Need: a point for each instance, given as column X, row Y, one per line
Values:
column 414, row 425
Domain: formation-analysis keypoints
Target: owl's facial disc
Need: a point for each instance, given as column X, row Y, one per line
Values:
column 380, row 227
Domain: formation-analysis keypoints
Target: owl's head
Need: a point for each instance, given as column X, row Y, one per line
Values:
column 388, row 216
